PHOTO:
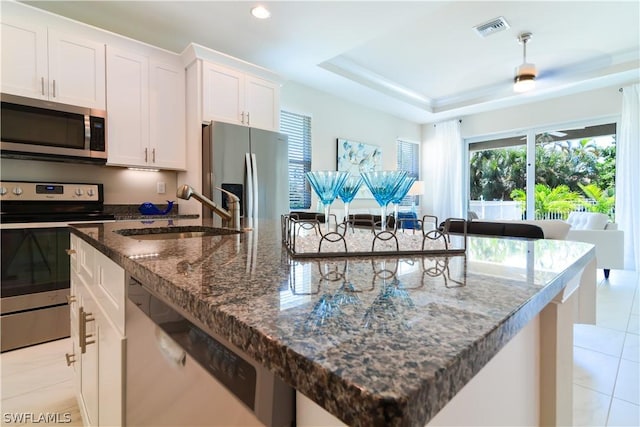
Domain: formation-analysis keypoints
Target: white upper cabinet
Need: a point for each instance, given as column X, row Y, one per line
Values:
column 167, row 120
column 42, row 63
column 262, row 101
column 127, row 108
column 145, row 111
column 240, row 98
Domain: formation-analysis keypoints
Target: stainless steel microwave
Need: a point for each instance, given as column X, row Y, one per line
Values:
column 43, row 130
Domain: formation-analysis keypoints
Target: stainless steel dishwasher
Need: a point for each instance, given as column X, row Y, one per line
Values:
column 176, row 374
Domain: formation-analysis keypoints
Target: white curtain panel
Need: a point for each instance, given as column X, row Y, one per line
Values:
column 447, row 162
column 628, row 176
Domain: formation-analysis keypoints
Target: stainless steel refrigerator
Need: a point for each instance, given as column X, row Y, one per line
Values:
column 251, row 163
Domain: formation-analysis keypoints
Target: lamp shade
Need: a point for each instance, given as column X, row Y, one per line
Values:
column 417, row 189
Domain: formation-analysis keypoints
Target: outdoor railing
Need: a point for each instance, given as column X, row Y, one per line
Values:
column 512, row 210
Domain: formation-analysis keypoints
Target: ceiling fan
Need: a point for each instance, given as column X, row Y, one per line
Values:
column 525, row 76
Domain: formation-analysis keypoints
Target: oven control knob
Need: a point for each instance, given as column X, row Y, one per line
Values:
column 3, row 191
column 90, row 192
column 79, row 192
column 17, row 191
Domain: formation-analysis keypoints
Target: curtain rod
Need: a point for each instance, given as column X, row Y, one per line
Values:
column 435, row 124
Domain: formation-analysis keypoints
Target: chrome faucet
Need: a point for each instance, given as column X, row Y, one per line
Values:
column 230, row 218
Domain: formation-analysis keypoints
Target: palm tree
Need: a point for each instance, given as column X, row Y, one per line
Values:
column 604, row 202
column 549, row 200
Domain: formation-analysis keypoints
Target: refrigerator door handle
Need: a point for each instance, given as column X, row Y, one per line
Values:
column 256, row 198
column 249, row 192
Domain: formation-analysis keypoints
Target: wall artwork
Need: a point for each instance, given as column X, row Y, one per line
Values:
column 356, row 157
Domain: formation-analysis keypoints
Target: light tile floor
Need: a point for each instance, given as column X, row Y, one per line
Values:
column 35, row 384
column 606, row 382
column 36, row 380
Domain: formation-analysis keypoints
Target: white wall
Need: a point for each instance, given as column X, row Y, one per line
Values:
column 333, row 118
column 121, row 185
column 588, row 105
column 593, row 105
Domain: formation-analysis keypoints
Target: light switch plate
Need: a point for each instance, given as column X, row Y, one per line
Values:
column 161, row 187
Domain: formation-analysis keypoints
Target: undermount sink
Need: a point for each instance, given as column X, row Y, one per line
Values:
column 169, row 233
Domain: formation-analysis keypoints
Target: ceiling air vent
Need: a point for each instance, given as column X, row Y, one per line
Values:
column 491, row 27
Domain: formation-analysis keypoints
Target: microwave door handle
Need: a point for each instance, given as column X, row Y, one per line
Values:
column 87, row 132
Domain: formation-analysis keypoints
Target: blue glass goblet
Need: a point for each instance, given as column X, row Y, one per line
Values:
column 400, row 194
column 348, row 192
column 383, row 186
column 326, row 184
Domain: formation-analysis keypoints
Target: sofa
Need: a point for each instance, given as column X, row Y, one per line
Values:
column 532, row 229
column 595, row 228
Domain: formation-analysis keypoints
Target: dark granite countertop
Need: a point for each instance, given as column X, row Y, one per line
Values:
column 375, row 341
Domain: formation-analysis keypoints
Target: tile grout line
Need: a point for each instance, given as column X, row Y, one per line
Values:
column 615, row 383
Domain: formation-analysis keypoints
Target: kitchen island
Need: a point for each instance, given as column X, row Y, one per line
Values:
column 372, row 340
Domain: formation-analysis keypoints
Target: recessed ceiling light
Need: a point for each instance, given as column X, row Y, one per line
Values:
column 260, row 12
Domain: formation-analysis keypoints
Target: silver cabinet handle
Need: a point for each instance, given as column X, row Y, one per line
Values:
column 153, row 155
column 54, row 88
column 42, row 84
column 248, row 120
column 83, row 319
column 242, row 117
column 146, row 155
column 71, row 358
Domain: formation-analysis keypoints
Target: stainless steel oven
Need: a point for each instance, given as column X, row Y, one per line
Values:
column 35, row 266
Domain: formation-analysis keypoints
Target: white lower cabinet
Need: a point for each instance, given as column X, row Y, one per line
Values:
column 97, row 335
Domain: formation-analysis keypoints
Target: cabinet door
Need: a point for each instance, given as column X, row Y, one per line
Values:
column 24, row 60
column 167, row 122
column 109, row 290
column 73, row 330
column 76, row 71
column 89, row 396
column 127, row 108
column 262, row 103
column 223, row 97
column 111, row 373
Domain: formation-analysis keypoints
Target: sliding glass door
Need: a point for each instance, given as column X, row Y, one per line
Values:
column 497, row 168
column 543, row 174
column 575, row 171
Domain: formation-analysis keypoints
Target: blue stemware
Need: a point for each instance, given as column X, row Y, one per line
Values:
column 401, row 193
column 348, row 192
column 326, row 184
column 383, row 186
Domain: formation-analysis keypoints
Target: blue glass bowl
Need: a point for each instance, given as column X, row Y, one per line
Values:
column 383, row 184
column 350, row 188
column 326, row 184
column 403, row 189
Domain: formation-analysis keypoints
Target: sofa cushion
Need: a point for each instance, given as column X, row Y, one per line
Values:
column 552, row 228
column 495, row 228
column 587, row 221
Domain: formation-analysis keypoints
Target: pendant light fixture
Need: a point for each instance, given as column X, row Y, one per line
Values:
column 525, row 78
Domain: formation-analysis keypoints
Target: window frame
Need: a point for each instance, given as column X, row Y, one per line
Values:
column 298, row 129
column 401, row 146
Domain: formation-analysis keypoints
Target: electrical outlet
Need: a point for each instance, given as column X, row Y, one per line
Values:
column 161, row 187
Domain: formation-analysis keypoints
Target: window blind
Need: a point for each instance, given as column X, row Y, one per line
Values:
column 408, row 159
column 298, row 129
